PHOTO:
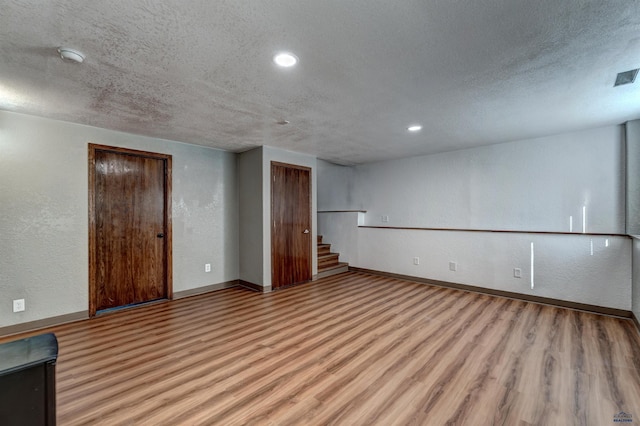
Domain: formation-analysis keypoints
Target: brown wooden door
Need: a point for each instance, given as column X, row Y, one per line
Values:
column 130, row 229
column 290, row 224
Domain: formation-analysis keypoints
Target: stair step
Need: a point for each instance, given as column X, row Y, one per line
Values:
column 324, row 249
column 340, row 268
column 328, row 263
column 328, row 260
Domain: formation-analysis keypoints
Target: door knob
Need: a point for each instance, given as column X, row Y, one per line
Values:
column 160, row 235
column 306, row 231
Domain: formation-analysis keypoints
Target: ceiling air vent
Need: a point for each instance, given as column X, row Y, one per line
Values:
column 626, row 77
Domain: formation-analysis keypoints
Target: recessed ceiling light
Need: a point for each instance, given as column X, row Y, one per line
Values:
column 70, row 55
column 285, row 59
column 414, row 128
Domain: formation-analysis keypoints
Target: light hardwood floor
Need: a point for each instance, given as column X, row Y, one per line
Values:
column 348, row 349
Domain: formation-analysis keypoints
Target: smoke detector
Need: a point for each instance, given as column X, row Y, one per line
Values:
column 70, row 55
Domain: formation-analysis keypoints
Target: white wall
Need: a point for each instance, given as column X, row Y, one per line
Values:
column 340, row 230
column 337, row 189
column 633, row 204
column 44, row 210
column 530, row 185
column 564, row 268
column 633, row 176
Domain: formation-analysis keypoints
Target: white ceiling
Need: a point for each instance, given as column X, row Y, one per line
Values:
column 471, row 72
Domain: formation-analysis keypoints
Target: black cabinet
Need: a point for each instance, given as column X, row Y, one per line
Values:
column 28, row 381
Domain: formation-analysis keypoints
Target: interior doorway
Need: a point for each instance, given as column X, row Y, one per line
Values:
column 290, row 224
column 129, row 227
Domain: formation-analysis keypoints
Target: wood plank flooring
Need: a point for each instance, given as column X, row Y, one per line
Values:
column 351, row 349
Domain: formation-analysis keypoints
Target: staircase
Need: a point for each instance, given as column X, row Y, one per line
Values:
column 328, row 263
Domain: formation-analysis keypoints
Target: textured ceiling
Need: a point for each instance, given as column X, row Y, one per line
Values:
column 471, row 72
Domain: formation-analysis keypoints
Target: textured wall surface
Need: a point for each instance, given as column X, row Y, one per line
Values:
column 43, row 219
column 471, row 72
column 205, row 215
column 44, row 210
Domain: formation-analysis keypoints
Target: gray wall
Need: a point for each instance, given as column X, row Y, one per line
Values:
column 250, row 212
column 254, row 169
column 636, row 278
column 633, row 177
column 528, row 185
column 44, row 224
column 337, row 190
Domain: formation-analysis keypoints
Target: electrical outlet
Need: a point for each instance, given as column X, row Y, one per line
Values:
column 18, row 305
column 416, row 260
column 453, row 266
column 207, row 267
column 384, row 218
column 517, row 273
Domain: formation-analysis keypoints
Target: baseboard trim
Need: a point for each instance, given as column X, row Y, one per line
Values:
column 511, row 295
column 254, row 287
column 340, row 269
column 635, row 320
column 78, row 316
column 205, row 289
column 43, row 323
